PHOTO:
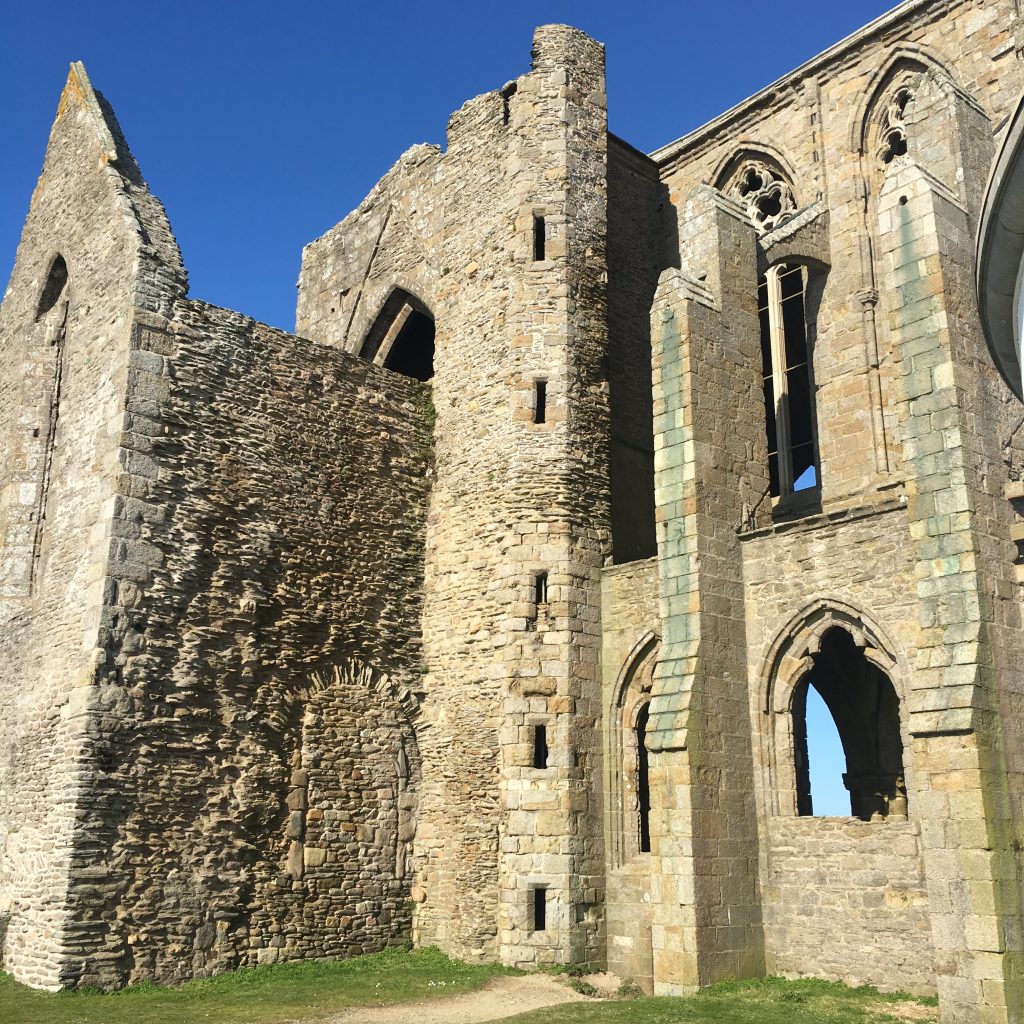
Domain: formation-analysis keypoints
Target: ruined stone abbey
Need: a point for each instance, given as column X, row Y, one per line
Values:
column 484, row 609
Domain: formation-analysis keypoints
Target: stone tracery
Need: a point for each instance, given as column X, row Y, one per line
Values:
column 892, row 138
column 767, row 196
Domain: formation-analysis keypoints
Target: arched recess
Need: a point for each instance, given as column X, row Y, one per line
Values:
column 901, row 65
column 852, row 664
column 33, row 440
column 761, row 180
column 401, row 336
column 914, row 106
column 355, row 774
column 628, row 716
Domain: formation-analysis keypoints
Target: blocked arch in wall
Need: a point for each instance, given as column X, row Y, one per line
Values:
column 789, row 663
column 355, row 774
column 631, row 697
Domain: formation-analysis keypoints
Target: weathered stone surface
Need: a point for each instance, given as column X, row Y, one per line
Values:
column 300, row 655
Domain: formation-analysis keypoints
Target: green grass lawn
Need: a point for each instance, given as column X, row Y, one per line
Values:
column 262, row 995
column 314, row 989
column 764, row 1001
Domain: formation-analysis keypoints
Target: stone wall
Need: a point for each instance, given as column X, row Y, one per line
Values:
column 63, row 375
column 254, row 734
column 513, row 498
column 631, row 641
column 816, row 872
column 847, row 900
column 909, row 420
column 297, row 641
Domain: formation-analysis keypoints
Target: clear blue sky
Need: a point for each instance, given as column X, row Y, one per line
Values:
column 261, row 124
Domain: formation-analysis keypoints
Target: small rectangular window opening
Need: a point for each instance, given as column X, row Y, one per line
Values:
column 538, row 237
column 540, row 908
column 540, row 589
column 540, row 746
column 540, row 401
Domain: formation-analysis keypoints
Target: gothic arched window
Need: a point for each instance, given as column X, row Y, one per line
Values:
column 767, row 196
column 788, row 380
column 866, row 711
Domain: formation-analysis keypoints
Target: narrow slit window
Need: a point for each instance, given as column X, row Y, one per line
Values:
column 540, row 589
column 540, row 909
column 540, row 401
column 787, row 378
column 643, row 782
column 540, row 746
column 538, row 238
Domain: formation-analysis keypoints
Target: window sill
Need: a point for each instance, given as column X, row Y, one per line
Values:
column 798, row 505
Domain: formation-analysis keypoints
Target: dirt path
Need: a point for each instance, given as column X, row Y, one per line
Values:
column 500, row 998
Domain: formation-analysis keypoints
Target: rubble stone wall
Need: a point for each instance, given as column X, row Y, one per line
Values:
column 256, row 726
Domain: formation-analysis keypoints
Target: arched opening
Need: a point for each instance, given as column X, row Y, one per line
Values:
column 643, row 782
column 628, row 783
column 865, row 709
column 402, row 337
column 760, row 184
column 56, row 282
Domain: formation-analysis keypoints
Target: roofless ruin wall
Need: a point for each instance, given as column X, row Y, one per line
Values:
column 256, row 723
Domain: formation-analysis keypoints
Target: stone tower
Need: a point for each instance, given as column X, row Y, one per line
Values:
column 512, row 265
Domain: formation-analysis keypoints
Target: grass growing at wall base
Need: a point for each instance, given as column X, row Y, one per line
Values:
column 263, row 995
column 759, row 1001
column 311, row 990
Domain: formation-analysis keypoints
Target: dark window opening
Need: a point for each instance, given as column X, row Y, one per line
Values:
column 894, row 127
column 506, row 95
column 643, row 782
column 540, row 589
column 540, row 909
column 787, row 381
column 55, row 284
column 413, row 350
column 402, row 337
column 540, row 746
column 540, row 401
column 538, row 238
column 865, row 713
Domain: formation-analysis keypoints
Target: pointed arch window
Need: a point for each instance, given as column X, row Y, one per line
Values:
column 401, row 338
column 32, row 445
column 788, row 380
column 865, row 710
column 630, row 797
